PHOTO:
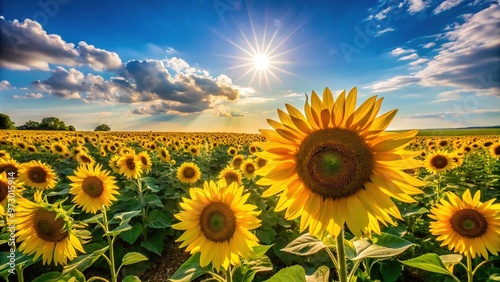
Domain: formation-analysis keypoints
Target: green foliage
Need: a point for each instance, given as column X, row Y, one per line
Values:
column 102, row 127
column 5, row 122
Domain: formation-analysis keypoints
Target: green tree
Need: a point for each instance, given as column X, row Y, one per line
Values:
column 5, row 122
column 102, row 127
column 52, row 123
column 30, row 125
column 71, row 128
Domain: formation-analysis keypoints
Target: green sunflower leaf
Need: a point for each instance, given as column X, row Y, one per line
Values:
column 294, row 273
column 387, row 245
column 320, row 275
column 189, row 270
column 133, row 257
column 430, row 262
column 83, row 262
column 304, row 245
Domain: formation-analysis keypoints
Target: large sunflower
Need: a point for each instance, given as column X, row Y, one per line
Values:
column 46, row 230
column 336, row 165
column 93, row 188
column 130, row 164
column 188, row 172
column 37, row 175
column 467, row 225
column 217, row 223
column 439, row 162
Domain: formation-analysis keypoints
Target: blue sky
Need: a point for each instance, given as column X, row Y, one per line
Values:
column 191, row 65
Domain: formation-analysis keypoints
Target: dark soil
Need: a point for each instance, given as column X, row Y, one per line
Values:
column 164, row 267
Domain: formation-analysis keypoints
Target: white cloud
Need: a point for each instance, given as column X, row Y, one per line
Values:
column 147, row 81
column 446, row 5
column 383, row 14
column 409, row 57
column 429, row 45
column 419, row 61
column 400, row 51
column 27, row 46
column 4, row 85
column 385, row 30
column 255, row 100
column 393, row 83
column 415, row 6
column 291, row 95
column 469, row 59
column 29, row 96
column 170, row 50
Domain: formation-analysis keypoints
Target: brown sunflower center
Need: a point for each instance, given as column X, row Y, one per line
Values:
column 217, row 222
column 334, row 163
column 93, row 186
column 37, row 175
column 130, row 164
column 232, row 151
column 144, row 160
column 47, row 227
column 230, row 177
column 469, row 223
column 237, row 162
column 439, row 162
column 497, row 150
column 188, row 172
column 249, row 168
column 58, row 148
column 163, row 154
column 8, row 169
column 262, row 162
column 4, row 190
column 85, row 159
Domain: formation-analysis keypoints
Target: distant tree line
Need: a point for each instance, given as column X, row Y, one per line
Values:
column 47, row 123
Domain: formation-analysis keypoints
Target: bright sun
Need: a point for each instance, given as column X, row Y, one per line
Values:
column 263, row 55
column 261, row 62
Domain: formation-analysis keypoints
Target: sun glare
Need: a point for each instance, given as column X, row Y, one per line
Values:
column 263, row 54
column 261, row 62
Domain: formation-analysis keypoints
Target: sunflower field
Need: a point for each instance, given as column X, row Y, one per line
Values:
column 327, row 194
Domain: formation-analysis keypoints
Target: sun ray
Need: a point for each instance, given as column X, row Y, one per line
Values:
column 263, row 54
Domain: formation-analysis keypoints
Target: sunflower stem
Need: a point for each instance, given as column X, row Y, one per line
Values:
column 229, row 274
column 110, row 243
column 342, row 266
column 481, row 264
column 470, row 274
column 20, row 274
column 334, row 260
column 438, row 188
column 354, row 269
column 143, row 213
